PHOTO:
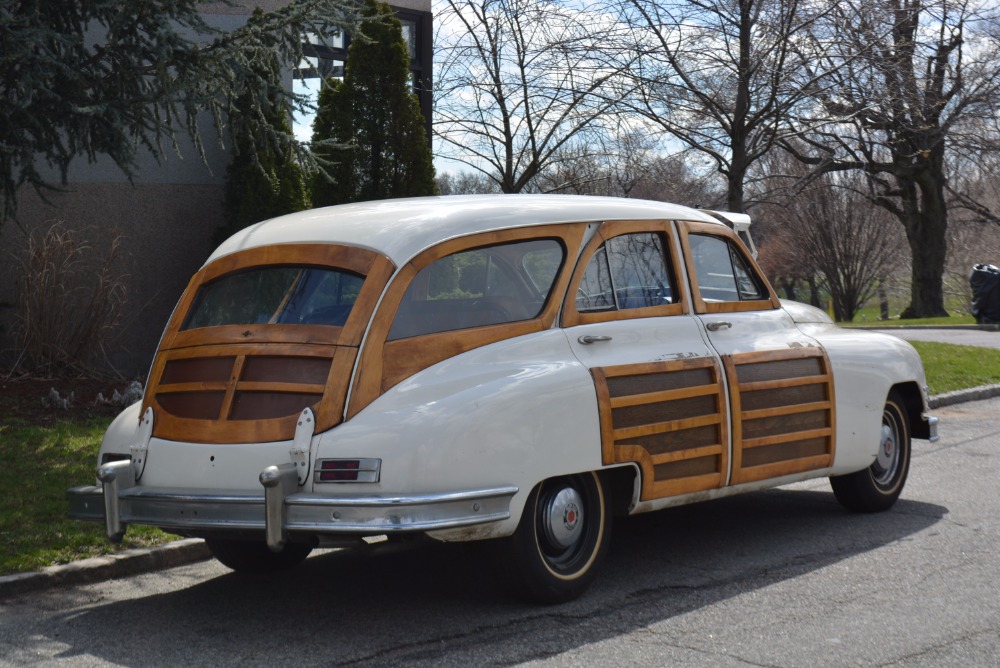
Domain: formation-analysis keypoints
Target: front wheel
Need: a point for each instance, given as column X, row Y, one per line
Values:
column 246, row 556
column 562, row 538
column 877, row 487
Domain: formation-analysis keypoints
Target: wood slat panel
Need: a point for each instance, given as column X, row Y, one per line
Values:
column 664, row 396
column 763, row 385
column 292, row 388
column 786, row 438
column 693, row 453
column 786, row 410
column 762, row 379
column 661, row 427
column 660, row 389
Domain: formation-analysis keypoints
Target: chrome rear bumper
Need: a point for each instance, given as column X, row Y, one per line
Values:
column 279, row 509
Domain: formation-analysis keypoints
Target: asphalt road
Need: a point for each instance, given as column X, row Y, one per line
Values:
column 778, row 578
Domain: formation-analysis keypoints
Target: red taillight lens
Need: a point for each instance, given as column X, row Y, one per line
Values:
column 347, row 470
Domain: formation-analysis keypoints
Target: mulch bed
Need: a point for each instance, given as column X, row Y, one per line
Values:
column 26, row 399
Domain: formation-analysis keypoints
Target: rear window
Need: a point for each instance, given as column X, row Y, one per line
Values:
column 276, row 295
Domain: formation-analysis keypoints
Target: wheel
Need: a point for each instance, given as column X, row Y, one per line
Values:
column 877, row 487
column 562, row 538
column 247, row 556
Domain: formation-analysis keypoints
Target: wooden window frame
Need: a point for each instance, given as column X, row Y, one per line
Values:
column 385, row 364
column 609, row 230
column 338, row 344
column 701, row 307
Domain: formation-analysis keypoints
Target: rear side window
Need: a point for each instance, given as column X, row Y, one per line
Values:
column 629, row 271
column 277, row 295
column 478, row 287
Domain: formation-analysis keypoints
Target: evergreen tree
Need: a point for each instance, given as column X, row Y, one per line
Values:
column 264, row 178
column 375, row 111
column 92, row 78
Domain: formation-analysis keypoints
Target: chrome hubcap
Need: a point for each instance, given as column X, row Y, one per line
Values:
column 562, row 518
column 888, row 452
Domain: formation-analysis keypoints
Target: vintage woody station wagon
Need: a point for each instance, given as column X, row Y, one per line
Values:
column 513, row 367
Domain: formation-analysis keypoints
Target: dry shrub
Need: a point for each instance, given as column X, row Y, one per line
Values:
column 69, row 299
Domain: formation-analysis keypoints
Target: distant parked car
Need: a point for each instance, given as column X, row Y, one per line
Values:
column 520, row 368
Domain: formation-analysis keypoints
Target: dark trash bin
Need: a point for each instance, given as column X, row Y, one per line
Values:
column 985, row 282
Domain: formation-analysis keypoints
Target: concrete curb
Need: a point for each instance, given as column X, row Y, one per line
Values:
column 108, row 567
column 962, row 396
column 178, row 553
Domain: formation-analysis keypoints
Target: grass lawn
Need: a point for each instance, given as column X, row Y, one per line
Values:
column 41, row 463
column 950, row 367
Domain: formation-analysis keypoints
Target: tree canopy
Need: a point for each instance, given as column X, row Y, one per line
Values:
column 91, row 78
column 263, row 180
column 376, row 115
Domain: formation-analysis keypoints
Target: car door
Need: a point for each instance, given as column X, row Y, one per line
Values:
column 660, row 387
column 779, row 380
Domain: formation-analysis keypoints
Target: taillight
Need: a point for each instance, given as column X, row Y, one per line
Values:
column 347, row 470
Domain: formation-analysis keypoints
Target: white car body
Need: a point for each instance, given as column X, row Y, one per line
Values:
column 454, row 429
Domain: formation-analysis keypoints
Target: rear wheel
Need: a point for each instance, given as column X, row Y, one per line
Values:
column 246, row 556
column 878, row 486
column 562, row 538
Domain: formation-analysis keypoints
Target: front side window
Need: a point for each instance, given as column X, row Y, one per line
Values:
column 478, row 287
column 276, row 295
column 628, row 272
column 722, row 272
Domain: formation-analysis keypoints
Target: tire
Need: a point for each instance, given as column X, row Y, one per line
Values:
column 246, row 556
column 561, row 540
column 877, row 487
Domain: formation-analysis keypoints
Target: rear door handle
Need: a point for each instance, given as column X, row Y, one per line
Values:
column 716, row 326
column 587, row 339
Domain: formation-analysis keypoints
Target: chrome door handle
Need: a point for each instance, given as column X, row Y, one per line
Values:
column 587, row 339
column 716, row 326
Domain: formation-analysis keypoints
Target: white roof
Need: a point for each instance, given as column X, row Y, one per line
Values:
column 401, row 228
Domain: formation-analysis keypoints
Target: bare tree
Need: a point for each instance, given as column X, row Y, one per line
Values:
column 824, row 232
column 909, row 80
column 722, row 77
column 516, row 81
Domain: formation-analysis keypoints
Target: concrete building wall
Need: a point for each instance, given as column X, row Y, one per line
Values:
column 167, row 216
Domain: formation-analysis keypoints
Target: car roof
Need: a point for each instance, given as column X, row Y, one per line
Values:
column 402, row 228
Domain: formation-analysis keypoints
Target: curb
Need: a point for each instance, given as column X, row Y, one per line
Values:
column 962, row 396
column 107, row 567
column 190, row 550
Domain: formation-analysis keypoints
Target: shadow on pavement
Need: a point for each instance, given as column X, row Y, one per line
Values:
column 443, row 605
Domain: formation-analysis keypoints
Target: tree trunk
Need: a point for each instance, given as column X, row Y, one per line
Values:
column 925, row 217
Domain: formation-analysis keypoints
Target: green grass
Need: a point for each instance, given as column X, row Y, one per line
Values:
column 40, row 464
column 949, row 367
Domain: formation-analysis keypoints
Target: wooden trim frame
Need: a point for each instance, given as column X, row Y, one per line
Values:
column 784, row 413
column 384, row 363
column 609, row 230
column 670, row 419
column 685, row 229
column 248, row 383
column 374, row 267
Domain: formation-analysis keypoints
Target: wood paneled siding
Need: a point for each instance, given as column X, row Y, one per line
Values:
column 783, row 408
column 669, row 418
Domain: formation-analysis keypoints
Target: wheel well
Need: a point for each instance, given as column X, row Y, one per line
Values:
column 914, row 403
column 621, row 481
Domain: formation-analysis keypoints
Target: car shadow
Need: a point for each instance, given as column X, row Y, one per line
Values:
column 445, row 605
